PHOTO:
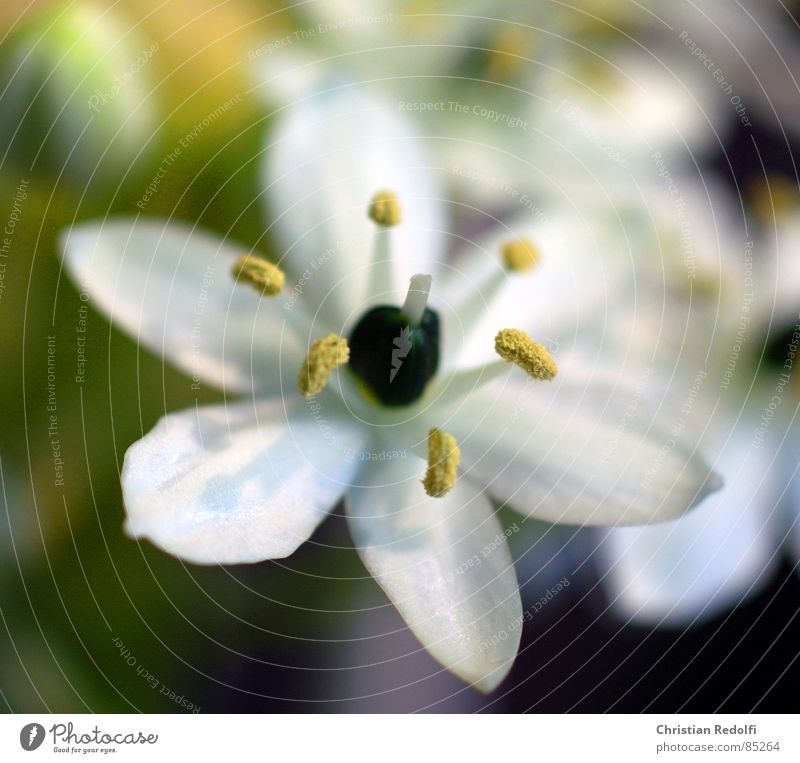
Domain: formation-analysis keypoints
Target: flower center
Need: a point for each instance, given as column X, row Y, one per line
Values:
column 394, row 351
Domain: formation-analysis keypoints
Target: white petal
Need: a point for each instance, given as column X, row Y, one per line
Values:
column 444, row 564
column 585, row 448
column 170, row 286
column 329, row 155
column 617, row 109
column 242, row 483
column 693, row 568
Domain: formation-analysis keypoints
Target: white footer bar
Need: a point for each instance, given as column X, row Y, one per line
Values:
column 386, row 739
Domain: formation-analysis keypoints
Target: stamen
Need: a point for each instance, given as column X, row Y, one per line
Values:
column 471, row 297
column 773, row 199
column 519, row 255
column 533, row 358
column 509, row 49
column 325, row 355
column 443, row 459
column 417, row 298
column 262, row 275
column 385, row 210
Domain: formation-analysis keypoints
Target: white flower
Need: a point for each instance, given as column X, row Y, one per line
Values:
column 730, row 346
column 528, row 98
column 251, row 480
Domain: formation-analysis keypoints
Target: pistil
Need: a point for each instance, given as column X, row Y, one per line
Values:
column 419, row 290
column 395, row 350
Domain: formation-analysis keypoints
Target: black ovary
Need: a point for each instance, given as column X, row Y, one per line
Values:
column 384, row 332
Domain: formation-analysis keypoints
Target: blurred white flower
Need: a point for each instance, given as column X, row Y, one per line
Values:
column 729, row 344
column 532, row 98
column 76, row 95
column 251, row 480
column 747, row 51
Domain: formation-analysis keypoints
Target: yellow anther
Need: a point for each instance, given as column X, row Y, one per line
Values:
column 533, row 358
column 509, row 51
column 519, row 255
column 604, row 18
column 774, row 199
column 443, row 459
column 262, row 275
column 599, row 81
column 325, row 354
column 385, row 210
